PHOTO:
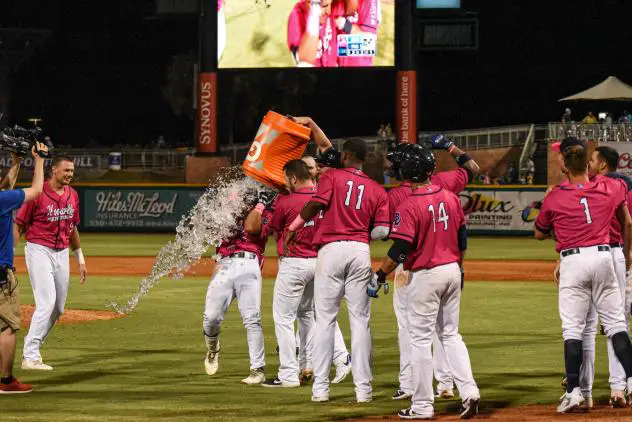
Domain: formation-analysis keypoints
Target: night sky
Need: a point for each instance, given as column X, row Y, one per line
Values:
column 100, row 75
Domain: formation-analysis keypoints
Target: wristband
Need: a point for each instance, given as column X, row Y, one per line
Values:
column 313, row 20
column 298, row 222
column 462, row 159
column 79, row 255
column 347, row 27
column 259, row 208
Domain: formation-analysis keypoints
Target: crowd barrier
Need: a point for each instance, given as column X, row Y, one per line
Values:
column 489, row 210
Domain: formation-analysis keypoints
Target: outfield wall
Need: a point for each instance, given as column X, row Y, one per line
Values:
column 490, row 210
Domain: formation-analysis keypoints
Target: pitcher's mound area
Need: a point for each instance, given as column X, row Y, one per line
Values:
column 70, row 316
column 529, row 414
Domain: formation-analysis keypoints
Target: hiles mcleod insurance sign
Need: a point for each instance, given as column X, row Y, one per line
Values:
column 128, row 209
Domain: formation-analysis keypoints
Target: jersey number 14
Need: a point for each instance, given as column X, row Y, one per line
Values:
column 443, row 216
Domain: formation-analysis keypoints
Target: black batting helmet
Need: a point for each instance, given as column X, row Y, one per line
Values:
column 329, row 158
column 417, row 163
column 394, row 155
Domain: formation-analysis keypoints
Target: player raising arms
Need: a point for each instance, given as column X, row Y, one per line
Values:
column 49, row 225
column 238, row 275
column 430, row 240
column 580, row 213
column 455, row 182
column 311, row 34
column 355, row 209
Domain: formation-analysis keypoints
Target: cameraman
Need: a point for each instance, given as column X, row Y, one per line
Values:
column 9, row 294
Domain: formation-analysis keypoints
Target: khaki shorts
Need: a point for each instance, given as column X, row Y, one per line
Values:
column 10, row 303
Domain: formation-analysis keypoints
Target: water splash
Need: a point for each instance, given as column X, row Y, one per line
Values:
column 213, row 218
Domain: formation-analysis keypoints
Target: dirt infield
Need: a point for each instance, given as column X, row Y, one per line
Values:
column 474, row 270
column 70, row 316
column 529, row 414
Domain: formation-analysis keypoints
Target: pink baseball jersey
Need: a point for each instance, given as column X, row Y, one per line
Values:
column 430, row 220
column 245, row 242
column 50, row 219
column 367, row 19
column 453, row 181
column 286, row 210
column 354, row 204
column 581, row 214
column 616, row 237
column 327, row 53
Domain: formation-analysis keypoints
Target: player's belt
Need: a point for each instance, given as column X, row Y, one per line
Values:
column 248, row 255
column 574, row 251
column 615, row 245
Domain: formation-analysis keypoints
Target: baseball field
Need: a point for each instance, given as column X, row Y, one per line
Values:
column 148, row 365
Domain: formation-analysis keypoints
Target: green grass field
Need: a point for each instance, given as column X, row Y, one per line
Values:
column 121, row 244
column 257, row 36
column 148, row 366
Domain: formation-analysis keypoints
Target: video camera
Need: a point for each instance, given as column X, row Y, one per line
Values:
column 20, row 141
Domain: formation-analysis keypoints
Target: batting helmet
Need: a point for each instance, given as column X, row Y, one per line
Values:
column 394, row 155
column 330, row 158
column 417, row 163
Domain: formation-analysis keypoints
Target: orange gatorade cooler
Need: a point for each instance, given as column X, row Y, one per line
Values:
column 278, row 141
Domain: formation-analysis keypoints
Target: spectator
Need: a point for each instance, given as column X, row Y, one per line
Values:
column 381, row 133
column 567, row 117
column 589, row 119
column 625, row 117
column 608, row 119
column 530, row 166
column 512, row 174
column 485, row 179
column 389, row 131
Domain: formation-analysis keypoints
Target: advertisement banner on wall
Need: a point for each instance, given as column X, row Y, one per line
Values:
column 625, row 156
column 129, row 209
column 501, row 210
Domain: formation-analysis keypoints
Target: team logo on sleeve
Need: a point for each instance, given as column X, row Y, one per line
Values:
column 397, row 219
column 264, row 221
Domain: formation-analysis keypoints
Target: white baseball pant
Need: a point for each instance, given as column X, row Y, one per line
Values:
column 617, row 373
column 238, row 278
column 49, row 271
column 434, row 302
column 343, row 270
column 293, row 294
column 440, row 361
column 340, row 348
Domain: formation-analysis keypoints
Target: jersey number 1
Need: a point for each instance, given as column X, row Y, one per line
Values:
column 584, row 202
column 443, row 216
column 360, row 195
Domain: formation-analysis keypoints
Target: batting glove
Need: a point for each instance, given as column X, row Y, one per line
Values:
column 377, row 281
column 266, row 197
column 441, row 141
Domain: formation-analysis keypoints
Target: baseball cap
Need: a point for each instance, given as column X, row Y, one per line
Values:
column 567, row 143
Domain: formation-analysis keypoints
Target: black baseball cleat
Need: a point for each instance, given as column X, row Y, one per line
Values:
column 277, row 383
column 401, row 395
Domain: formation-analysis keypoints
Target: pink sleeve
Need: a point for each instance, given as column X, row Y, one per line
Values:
column 367, row 16
column 629, row 198
column 295, row 29
column 453, row 180
column 325, row 189
column 544, row 222
column 266, row 216
column 24, row 215
column 382, row 214
column 403, row 224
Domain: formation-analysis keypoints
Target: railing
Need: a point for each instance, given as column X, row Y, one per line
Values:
column 527, row 153
column 617, row 132
column 494, row 137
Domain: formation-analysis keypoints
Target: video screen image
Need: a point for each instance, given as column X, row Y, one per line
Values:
column 305, row 33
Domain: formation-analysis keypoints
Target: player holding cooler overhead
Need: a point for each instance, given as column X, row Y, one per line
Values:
column 364, row 20
column 355, row 210
column 580, row 213
column 311, row 34
column 49, row 225
column 453, row 181
column 238, row 275
column 430, row 240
